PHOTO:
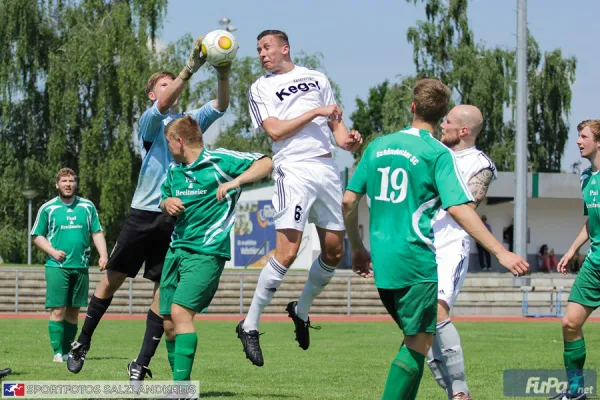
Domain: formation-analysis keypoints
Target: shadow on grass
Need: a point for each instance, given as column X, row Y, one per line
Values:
column 106, row 358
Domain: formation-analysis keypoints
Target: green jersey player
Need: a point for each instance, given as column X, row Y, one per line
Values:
column 62, row 230
column 201, row 189
column 407, row 176
column 585, row 293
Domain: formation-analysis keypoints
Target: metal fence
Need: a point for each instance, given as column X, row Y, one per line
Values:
column 251, row 275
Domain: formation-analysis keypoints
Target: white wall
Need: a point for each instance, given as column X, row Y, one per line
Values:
column 555, row 222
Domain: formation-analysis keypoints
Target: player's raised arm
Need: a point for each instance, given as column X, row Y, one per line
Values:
column 173, row 89
column 221, row 103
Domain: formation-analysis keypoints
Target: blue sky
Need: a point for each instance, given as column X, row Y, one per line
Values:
column 364, row 42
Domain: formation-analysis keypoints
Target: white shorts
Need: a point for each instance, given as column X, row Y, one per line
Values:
column 453, row 264
column 308, row 191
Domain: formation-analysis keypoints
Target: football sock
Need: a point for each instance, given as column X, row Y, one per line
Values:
column 269, row 281
column 185, row 350
column 574, row 357
column 435, row 360
column 318, row 277
column 404, row 376
column 69, row 336
column 452, row 354
column 56, row 333
column 93, row 315
column 171, row 354
column 154, row 331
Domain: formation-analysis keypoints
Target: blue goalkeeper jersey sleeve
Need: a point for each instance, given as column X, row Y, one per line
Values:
column 156, row 156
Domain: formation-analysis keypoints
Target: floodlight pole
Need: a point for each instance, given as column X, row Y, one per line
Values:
column 520, row 216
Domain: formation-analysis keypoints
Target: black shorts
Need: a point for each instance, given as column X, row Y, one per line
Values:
column 144, row 238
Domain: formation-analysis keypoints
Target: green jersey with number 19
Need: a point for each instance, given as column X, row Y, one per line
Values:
column 407, row 176
column 204, row 226
column 590, row 189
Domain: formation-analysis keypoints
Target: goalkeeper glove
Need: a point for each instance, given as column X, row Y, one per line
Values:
column 195, row 61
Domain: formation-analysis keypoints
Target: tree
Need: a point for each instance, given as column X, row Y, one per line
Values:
column 368, row 116
column 549, row 106
column 386, row 110
column 71, row 75
column 444, row 47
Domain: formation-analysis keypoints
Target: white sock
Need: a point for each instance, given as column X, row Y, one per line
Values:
column 452, row 355
column 269, row 281
column 318, row 277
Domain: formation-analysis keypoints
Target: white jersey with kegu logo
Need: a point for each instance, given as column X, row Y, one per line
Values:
column 287, row 96
column 447, row 233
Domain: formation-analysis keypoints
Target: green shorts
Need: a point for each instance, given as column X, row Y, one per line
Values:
column 67, row 287
column 189, row 279
column 586, row 288
column 414, row 308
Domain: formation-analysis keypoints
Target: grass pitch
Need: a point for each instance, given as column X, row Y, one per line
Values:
column 345, row 361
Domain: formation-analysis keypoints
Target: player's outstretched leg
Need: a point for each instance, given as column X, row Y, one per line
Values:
column 320, row 274
column 269, row 281
column 99, row 303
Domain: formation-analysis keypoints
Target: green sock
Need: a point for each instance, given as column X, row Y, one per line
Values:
column 69, row 336
column 574, row 356
column 413, row 393
column 56, row 332
column 185, row 350
column 171, row 354
column 404, row 376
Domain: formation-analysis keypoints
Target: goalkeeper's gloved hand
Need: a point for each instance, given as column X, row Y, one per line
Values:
column 195, row 61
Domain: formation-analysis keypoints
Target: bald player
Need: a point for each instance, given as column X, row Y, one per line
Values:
column 459, row 132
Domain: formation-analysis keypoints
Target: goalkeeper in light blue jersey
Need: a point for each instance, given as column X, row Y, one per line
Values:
column 146, row 233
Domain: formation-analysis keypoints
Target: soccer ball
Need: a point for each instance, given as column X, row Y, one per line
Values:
column 219, row 47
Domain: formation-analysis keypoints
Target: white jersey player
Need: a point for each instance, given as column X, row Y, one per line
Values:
column 452, row 245
column 296, row 108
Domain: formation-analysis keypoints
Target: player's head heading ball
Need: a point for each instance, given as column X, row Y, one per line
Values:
column 157, row 83
column 66, row 182
column 183, row 134
column 589, row 138
column 273, row 49
column 430, row 100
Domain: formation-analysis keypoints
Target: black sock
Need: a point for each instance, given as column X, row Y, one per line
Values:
column 154, row 331
column 93, row 315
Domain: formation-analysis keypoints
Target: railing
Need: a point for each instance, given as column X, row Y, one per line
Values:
column 353, row 284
